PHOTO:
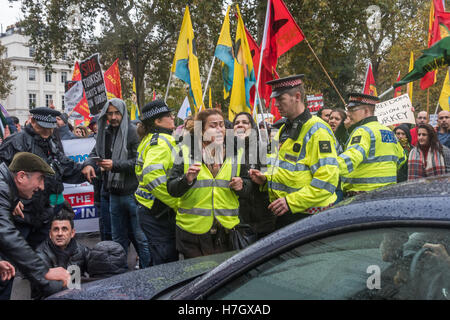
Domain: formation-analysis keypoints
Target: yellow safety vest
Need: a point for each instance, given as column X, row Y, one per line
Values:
column 209, row 198
column 305, row 171
column 156, row 154
column 371, row 158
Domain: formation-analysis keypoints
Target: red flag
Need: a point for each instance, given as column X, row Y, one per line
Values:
column 154, row 95
column 398, row 90
column 434, row 36
column 280, row 35
column 82, row 107
column 369, row 84
column 112, row 81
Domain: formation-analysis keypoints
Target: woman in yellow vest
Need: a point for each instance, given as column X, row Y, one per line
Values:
column 208, row 180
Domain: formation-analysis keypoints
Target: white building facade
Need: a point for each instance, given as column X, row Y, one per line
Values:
column 34, row 87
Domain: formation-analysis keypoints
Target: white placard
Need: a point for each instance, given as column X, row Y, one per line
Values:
column 395, row 111
column 81, row 196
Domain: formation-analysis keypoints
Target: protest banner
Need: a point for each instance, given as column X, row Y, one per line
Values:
column 93, row 83
column 314, row 103
column 81, row 196
column 395, row 111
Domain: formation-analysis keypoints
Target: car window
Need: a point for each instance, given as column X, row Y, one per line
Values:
column 401, row 263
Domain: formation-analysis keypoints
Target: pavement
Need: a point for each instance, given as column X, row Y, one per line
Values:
column 21, row 287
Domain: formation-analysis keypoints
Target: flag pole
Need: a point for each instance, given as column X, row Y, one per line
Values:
column 323, row 68
column 428, row 101
column 168, row 86
column 207, row 80
column 386, row 92
column 257, row 98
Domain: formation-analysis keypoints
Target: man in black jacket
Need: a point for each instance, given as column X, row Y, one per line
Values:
column 33, row 216
column 61, row 249
column 23, row 178
column 115, row 152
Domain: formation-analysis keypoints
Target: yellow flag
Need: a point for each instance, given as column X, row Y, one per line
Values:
column 243, row 75
column 134, row 114
column 445, row 94
column 210, row 100
column 409, row 86
column 185, row 61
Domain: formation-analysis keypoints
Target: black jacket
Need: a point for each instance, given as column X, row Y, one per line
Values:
column 253, row 206
column 125, row 166
column 53, row 257
column 37, row 210
column 13, row 247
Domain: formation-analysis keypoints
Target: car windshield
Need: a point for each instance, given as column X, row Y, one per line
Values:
column 402, row 263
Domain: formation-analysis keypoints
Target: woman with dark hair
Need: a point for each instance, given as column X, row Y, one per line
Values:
column 336, row 122
column 208, row 184
column 404, row 137
column 156, row 208
column 253, row 210
column 429, row 157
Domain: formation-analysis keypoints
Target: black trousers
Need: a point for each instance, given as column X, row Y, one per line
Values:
column 191, row 245
column 160, row 233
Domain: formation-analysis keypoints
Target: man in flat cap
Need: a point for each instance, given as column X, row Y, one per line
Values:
column 116, row 147
column 372, row 155
column 303, row 172
column 34, row 215
column 24, row 177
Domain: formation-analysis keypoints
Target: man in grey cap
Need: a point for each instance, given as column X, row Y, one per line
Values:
column 24, row 176
column 33, row 216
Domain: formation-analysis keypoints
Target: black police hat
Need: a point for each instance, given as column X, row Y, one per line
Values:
column 45, row 117
column 358, row 99
column 154, row 109
column 29, row 162
column 280, row 86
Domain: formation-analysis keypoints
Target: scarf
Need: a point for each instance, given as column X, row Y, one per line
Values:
column 420, row 167
column 116, row 180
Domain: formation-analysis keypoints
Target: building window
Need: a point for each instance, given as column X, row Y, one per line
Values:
column 48, row 100
column 63, row 77
column 62, row 103
column 32, row 74
column 31, row 100
column 48, row 76
column 64, row 56
column 32, row 51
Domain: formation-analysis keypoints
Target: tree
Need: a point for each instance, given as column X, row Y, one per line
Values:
column 6, row 76
column 142, row 34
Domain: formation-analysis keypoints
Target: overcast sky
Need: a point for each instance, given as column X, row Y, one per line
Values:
column 9, row 13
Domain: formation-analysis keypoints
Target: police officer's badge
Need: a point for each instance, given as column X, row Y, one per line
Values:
column 356, row 139
column 325, row 146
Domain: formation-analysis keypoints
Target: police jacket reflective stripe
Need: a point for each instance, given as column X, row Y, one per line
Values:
column 372, row 157
column 304, row 169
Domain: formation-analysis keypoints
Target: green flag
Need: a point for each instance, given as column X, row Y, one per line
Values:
column 435, row 57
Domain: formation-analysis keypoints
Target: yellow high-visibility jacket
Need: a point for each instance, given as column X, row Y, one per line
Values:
column 304, row 169
column 209, row 198
column 371, row 158
column 157, row 152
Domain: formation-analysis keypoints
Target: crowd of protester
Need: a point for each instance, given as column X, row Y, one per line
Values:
column 208, row 186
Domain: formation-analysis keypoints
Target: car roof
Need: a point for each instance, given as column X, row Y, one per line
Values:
column 418, row 202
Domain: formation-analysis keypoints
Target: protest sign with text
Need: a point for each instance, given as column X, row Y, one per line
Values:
column 93, row 83
column 395, row 111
